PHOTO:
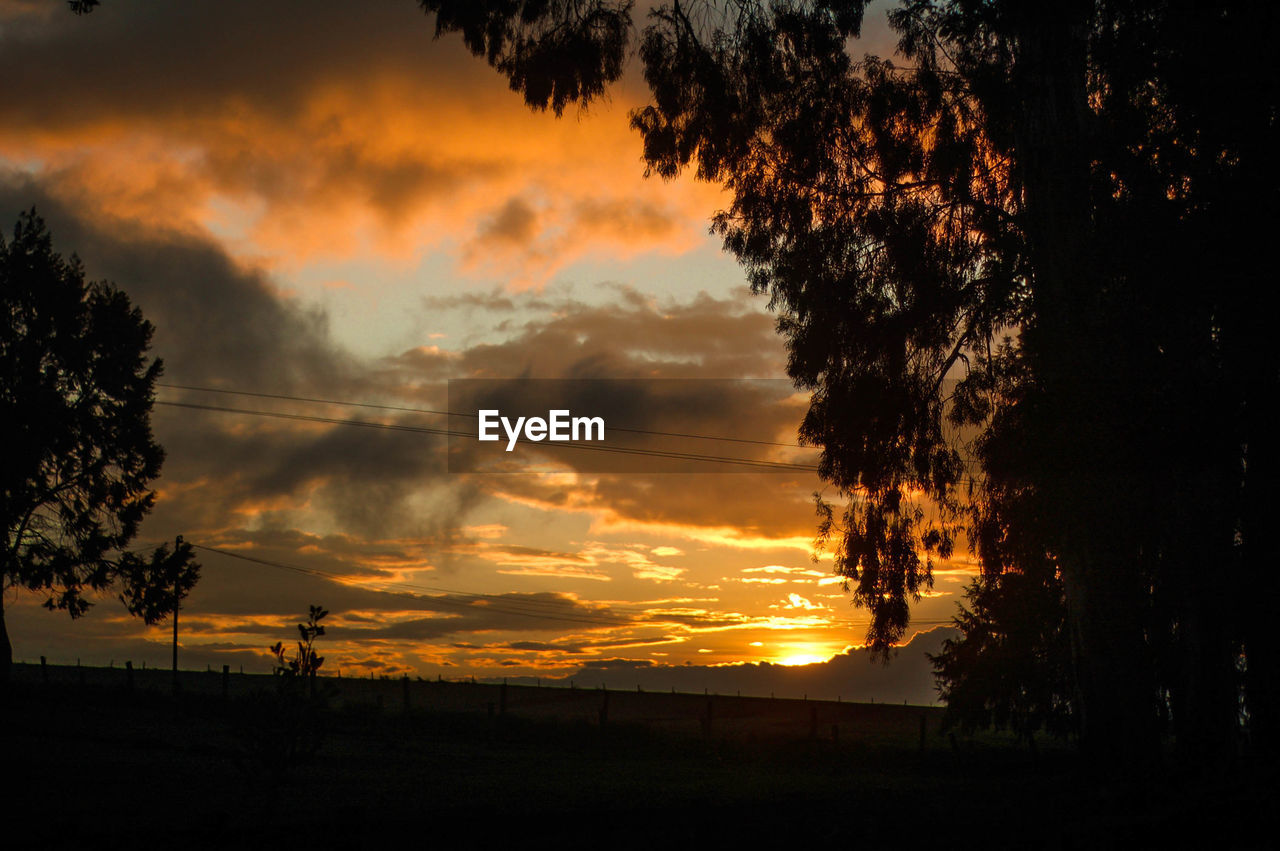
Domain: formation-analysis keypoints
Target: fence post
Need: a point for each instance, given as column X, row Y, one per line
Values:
column 44, row 671
column 128, row 674
column 604, row 709
column 226, row 681
column 405, row 682
column 502, row 698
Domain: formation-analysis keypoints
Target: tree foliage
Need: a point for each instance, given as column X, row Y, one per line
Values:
column 1010, row 668
column 76, row 391
column 554, row 52
column 155, row 585
column 1057, row 206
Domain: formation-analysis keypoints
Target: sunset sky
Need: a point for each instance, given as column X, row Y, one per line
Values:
column 320, row 200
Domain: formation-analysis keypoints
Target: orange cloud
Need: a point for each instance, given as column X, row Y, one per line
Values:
column 385, row 160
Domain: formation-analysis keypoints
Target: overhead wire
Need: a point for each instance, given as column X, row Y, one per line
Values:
column 509, row 606
column 437, row 412
column 624, row 450
column 446, row 432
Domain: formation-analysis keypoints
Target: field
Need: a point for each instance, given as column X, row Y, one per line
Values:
column 102, row 763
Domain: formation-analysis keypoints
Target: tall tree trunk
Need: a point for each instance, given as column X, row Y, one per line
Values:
column 1206, row 726
column 1261, row 502
column 1114, row 675
column 6, row 650
column 1262, row 685
column 1115, row 678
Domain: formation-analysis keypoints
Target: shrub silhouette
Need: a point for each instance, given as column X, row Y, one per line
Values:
column 283, row 727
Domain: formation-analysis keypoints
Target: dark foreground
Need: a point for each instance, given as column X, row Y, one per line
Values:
column 105, row 766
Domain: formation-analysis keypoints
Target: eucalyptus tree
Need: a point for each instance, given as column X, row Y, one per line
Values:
column 1057, row 207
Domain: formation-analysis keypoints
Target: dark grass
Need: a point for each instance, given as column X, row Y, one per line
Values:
column 101, row 766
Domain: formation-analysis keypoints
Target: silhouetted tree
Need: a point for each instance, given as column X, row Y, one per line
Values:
column 154, row 585
column 1057, row 205
column 1010, row 667
column 282, row 727
column 554, row 53
column 76, row 450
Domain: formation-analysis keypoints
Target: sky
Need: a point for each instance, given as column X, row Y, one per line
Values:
column 335, row 205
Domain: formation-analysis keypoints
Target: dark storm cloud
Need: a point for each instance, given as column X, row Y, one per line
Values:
column 616, row 665
column 216, row 321
column 137, row 60
column 511, row 612
column 635, row 336
column 221, row 324
column 334, row 106
column 238, row 596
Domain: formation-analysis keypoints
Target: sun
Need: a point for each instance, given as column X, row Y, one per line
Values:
column 808, row 654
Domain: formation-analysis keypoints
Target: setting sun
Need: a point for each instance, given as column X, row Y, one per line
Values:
column 812, row 656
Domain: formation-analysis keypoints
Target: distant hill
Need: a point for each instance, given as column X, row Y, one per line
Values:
column 852, row 676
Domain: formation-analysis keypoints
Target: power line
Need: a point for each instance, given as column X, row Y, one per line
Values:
column 693, row 456
column 455, row 414
column 653, row 453
column 623, row 450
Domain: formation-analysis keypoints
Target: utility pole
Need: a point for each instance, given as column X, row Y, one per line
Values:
column 176, row 601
